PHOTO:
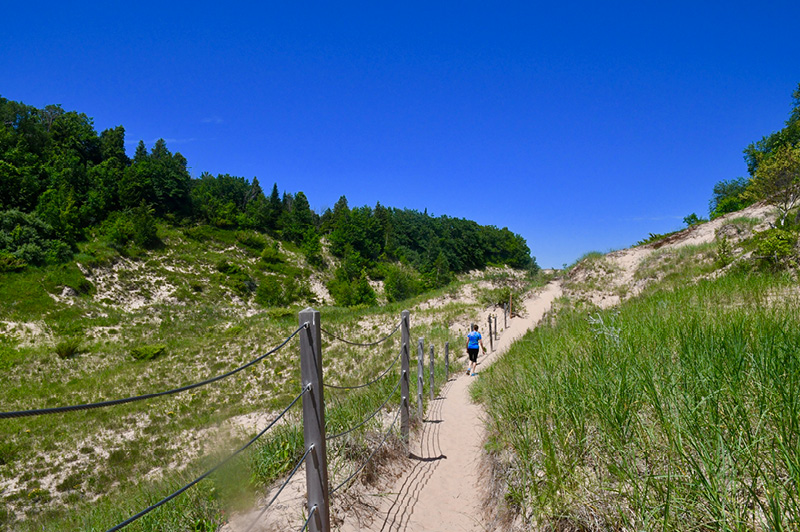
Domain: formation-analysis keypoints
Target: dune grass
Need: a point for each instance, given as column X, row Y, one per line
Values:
column 90, row 470
column 680, row 410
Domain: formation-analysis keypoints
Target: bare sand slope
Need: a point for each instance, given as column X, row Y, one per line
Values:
column 439, row 487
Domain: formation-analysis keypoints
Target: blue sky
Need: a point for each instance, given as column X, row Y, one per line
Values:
column 582, row 126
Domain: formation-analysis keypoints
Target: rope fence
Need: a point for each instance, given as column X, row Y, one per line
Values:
column 114, row 402
column 210, row 471
column 370, row 344
column 314, row 429
column 372, row 415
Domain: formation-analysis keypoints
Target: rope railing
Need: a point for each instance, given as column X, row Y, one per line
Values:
column 114, row 402
column 370, row 383
column 372, row 415
column 315, row 438
column 210, row 471
column 372, row 454
column 369, row 344
column 308, row 519
column 283, row 485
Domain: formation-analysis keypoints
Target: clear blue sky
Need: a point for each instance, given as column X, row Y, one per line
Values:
column 580, row 125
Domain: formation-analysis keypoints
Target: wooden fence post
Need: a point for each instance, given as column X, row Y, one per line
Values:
column 491, row 337
column 432, row 381
column 496, row 337
column 314, row 420
column 446, row 361
column 420, row 370
column 405, row 338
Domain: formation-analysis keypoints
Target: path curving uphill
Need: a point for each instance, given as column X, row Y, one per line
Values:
column 439, row 489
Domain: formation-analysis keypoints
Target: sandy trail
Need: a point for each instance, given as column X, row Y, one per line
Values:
column 439, row 489
column 438, row 486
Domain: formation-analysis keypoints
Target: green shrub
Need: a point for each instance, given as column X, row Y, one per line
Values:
column 775, row 246
column 227, row 268
column 68, row 348
column 275, row 291
column 271, row 254
column 251, row 240
column 200, row 233
column 148, row 352
column 724, row 252
column 401, row 283
column 11, row 263
column 238, row 280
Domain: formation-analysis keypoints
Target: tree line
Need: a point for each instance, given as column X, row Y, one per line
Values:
column 773, row 165
column 61, row 181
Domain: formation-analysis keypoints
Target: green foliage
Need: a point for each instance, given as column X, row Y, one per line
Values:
column 68, row 348
column 30, row 240
column 312, row 248
column 758, row 152
column 133, row 227
column 8, row 452
column 11, row 263
column 275, row 291
column 236, row 278
column 401, row 283
column 282, row 448
column 350, row 292
column 271, row 254
column 251, row 241
column 684, row 400
column 776, row 246
column 653, row 237
column 724, row 252
column 148, row 352
column 777, row 180
column 693, row 219
column 200, row 233
column 728, row 196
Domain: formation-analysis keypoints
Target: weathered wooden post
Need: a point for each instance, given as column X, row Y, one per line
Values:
column 496, row 337
column 405, row 338
column 432, row 381
column 491, row 337
column 420, row 370
column 446, row 361
column 314, row 420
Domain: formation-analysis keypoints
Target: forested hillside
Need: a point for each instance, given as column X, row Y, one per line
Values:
column 62, row 183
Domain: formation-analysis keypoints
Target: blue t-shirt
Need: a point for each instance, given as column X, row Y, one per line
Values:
column 473, row 338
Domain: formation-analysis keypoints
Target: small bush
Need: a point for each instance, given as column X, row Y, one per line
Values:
column 10, row 263
column 271, row 254
column 68, row 348
column 252, row 241
column 775, row 246
column 227, row 268
column 724, row 252
column 148, row 352
column 200, row 233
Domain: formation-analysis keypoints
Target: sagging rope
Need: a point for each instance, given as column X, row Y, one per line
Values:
column 210, row 471
column 365, row 344
column 89, row 406
column 379, row 377
column 391, row 394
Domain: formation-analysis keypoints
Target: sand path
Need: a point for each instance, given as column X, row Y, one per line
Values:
column 439, row 489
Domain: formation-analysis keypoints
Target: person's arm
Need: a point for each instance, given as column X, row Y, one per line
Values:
column 482, row 346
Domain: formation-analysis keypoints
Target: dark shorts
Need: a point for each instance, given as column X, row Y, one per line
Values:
column 473, row 354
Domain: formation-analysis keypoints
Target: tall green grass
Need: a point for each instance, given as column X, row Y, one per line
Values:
column 678, row 411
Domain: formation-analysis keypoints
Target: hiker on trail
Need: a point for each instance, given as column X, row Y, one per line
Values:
column 474, row 341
